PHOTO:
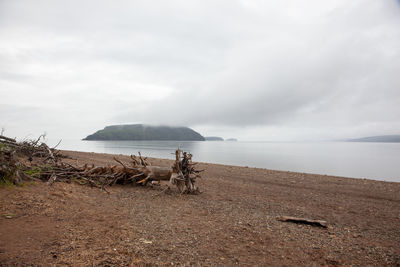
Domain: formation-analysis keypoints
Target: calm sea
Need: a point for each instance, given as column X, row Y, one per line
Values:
column 378, row 161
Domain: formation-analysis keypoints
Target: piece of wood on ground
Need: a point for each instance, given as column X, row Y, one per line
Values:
column 52, row 179
column 318, row 223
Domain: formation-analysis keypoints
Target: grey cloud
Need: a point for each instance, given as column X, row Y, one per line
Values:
column 260, row 68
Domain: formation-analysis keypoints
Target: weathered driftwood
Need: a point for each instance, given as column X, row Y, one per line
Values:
column 8, row 139
column 189, row 172
column 318, row 223
column 182, row 173
column 52, row 179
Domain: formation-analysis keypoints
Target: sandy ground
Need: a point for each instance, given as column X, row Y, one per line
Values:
column 233, row 222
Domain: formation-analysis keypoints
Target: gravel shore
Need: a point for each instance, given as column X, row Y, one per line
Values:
column 233, row 222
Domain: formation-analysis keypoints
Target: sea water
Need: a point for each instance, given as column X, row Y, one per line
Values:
column 377, row 161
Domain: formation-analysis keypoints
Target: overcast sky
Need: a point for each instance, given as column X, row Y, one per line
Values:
column 254, row 70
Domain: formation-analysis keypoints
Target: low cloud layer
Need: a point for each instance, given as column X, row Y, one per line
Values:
column 254, row 70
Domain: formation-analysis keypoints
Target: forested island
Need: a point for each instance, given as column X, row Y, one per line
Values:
column 214, row 138
column 146, row 132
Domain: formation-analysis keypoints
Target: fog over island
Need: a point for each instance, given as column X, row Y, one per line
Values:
column 257, row 70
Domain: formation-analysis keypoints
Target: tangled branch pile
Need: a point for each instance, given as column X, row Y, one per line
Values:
column 18, row 160
column 34, row 160
column 8, row 160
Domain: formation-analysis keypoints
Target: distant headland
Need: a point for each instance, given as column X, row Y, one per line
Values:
column 380, row 138
column 146, row 132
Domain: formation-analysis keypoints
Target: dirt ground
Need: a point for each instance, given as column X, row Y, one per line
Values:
column 233, row 222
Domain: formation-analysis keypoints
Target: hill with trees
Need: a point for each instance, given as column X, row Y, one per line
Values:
column 214, row 138
column 146, row 132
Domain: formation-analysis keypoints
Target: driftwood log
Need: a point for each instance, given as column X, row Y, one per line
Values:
column 182, row 173
column 318, row 223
